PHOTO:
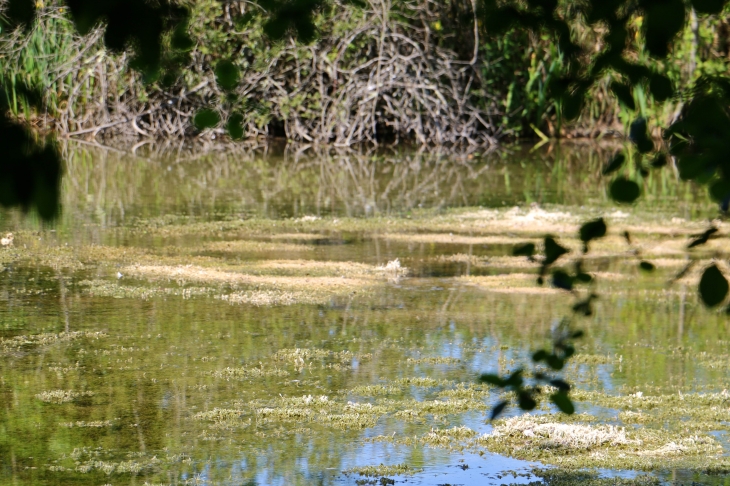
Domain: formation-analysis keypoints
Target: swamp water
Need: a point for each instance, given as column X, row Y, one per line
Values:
column 322, row 318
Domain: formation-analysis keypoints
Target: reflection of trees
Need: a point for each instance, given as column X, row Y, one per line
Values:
column 107, row 186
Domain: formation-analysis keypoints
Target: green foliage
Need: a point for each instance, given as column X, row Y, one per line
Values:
column 206, row 118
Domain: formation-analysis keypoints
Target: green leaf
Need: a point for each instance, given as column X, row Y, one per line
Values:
column 540, row 355
column 647, row 266
column 624, row 190
column 525, row 249
column 206, row 118
column 227, row 75
column 235, row 126
column 562, row 401
column 713, row 286
column 592, row 230
column 614, row 164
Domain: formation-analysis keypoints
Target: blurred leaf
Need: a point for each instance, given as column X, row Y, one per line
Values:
column 553, row 250
column 562, row 401
column 540, row 355
column 525, row 401
column 227, row 75
column 659, row 161
column 497, row 410
column 713, row 286
column 708, row 6
column 720, row 190
column 515, row 379
column 624, row 190
column 702, row 238
column 592, row 230
column 560, row 385
column 647, row 266
column 572, row 105
column 614, row 164
column 577, row 334
column 562, row 280
column 555, row 362
column 235, row 126
column 492, row 379
column 639, row 135
column 525, row 249
column 661, row 87
column 206, row 118
column 662, row 22
column 623, row 94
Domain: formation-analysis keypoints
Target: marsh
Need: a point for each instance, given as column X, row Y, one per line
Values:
column 235, row 318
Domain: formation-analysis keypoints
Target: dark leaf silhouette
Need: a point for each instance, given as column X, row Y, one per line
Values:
column 623, row 94
column 553, row 250
column 614, row 164
column 624, row 190
column 526, row 249
column 713, row 286
column 708, row 6
column 492, row 379
column 562, row 401
column 659, row 161
column 702, row 238
column 562, row 280
column 639, row 135
column 526, row 401
column 592, row 230
column 560, row 385
column 647, row 266
column 497, row 410
column 661, row 87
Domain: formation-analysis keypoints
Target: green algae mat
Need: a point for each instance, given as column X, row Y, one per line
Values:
column 305, row 317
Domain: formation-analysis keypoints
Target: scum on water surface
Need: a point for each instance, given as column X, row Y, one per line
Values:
column 177, row 349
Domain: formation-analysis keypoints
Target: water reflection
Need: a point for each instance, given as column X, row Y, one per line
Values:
column 163, row 361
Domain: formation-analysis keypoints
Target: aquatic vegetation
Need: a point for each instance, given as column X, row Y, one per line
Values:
column 383, row 470
column 30, row 342
column 62, row 396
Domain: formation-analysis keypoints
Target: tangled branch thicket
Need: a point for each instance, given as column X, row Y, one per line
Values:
column 388, row 71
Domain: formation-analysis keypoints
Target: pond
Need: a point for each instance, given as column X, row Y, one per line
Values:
column 275, row 316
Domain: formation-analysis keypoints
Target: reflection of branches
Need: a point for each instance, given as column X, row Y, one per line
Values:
column 294, row 180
